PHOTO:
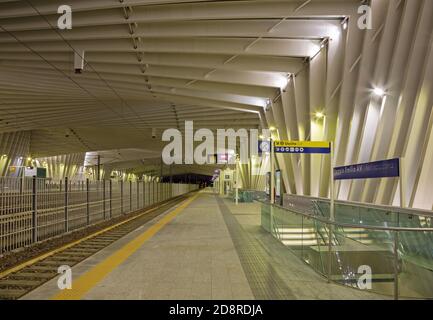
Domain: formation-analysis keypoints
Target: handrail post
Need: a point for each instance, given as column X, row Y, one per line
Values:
column 111, row 198
column 138, row 194
column 87, row 201
column 330, row 227
column 121, row 197
column 34, row 212
column 66, row 205
column 103, row 197
column 144, row 193
column 396, row 294
column 130, row 195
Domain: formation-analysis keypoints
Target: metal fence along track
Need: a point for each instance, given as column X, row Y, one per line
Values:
column 35, row 209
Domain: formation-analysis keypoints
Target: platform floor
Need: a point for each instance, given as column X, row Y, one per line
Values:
column 211, row 249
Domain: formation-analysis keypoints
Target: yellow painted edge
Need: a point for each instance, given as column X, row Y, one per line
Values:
column 96, row 274
column 55, row 251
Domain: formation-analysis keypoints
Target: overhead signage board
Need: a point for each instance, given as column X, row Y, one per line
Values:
column 219, row 158
column 35, row 172
column 378, row 169
column 41, row 172
column 303, row 147
column 30, row 172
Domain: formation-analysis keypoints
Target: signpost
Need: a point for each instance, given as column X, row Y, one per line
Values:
column 237, row 180
column 272, row 172
column 278, row 187
column 300, row 147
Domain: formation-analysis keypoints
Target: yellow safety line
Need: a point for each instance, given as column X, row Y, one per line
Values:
column 96, row 274
column 55, row 251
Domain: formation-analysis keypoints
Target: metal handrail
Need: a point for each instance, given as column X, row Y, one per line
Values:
column 339, row 224
column 411, row 211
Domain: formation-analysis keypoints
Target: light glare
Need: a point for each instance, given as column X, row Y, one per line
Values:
column 319, row 115
column 379, row 92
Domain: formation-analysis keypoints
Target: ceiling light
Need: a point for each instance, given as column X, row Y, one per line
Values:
column 272, row 128
column 345, row 23
column 319, row 115
column 324, row 43
column 379, row 92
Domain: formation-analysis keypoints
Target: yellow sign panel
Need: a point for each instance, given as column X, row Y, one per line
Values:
column 302, row 144
column 13, row 169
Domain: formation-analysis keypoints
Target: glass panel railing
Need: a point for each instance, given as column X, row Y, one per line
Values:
column 288, row 228
column 415, row 264
column 356, row 253
column 372, row 216
column 265, row 213
column 315, row 250
column 365, row 252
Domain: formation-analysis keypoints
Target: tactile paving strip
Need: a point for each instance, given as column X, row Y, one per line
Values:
column 264, row 281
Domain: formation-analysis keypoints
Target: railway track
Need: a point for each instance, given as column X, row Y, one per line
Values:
column 22, row 279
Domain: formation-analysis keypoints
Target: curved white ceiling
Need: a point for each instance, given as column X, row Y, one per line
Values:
column 155, row 64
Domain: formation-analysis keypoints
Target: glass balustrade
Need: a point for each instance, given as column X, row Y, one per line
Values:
column 385, row 251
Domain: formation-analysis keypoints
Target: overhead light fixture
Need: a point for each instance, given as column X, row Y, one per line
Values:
column 272, row 128
column 268, row 104
column 323, row 43
column 345, row 23
column 379, row 92
column 79, row 62
column 319, row 115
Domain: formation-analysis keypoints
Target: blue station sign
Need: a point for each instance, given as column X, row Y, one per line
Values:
column 378, row 169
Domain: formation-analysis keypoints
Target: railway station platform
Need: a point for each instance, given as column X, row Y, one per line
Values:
column 205, row 248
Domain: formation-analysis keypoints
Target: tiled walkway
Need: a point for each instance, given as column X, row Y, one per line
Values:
column 211, row 250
